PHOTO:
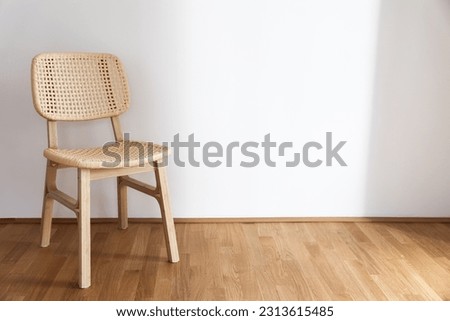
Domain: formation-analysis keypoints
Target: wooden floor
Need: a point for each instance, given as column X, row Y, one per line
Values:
column 235, row 261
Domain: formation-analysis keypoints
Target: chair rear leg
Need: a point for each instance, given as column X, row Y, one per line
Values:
column 122, row 200
column 47, row 204
column 84, row 228
column 166, row 213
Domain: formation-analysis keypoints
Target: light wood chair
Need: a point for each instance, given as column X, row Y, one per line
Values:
column 87, row 86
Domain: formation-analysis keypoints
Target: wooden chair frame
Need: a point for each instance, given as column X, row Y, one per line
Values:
column 81, row 206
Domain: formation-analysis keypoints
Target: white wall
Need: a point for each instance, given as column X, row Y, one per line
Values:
column 375, row 73
column 408, row 172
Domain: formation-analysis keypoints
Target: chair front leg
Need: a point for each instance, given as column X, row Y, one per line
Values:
column 122, row 203
column 47, row 204
column 84, row 228
column 166, row 213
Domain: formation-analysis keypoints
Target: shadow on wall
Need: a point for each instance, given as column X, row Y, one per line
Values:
column 408, row 165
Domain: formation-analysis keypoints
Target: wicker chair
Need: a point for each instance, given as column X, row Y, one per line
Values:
column 87, row 86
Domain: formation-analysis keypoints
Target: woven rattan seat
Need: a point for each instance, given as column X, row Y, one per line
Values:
column 88, row 86
column 116, row 155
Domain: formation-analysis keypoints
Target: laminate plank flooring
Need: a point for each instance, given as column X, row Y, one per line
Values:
column 232, row 261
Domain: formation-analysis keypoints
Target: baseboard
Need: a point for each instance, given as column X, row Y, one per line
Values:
column 243, row 220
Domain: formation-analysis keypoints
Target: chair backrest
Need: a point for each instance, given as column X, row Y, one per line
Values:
column 78, row 86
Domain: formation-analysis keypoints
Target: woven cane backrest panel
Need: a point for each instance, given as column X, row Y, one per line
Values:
column 79, row 86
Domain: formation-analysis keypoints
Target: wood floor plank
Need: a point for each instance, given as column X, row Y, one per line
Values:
column 232, row 261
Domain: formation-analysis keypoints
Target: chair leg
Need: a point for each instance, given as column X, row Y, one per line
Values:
column 122, row 200
column 47, row 205
column 84, row 228
column 163, row 200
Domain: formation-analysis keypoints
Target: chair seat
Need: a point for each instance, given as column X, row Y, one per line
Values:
column 114, row 155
